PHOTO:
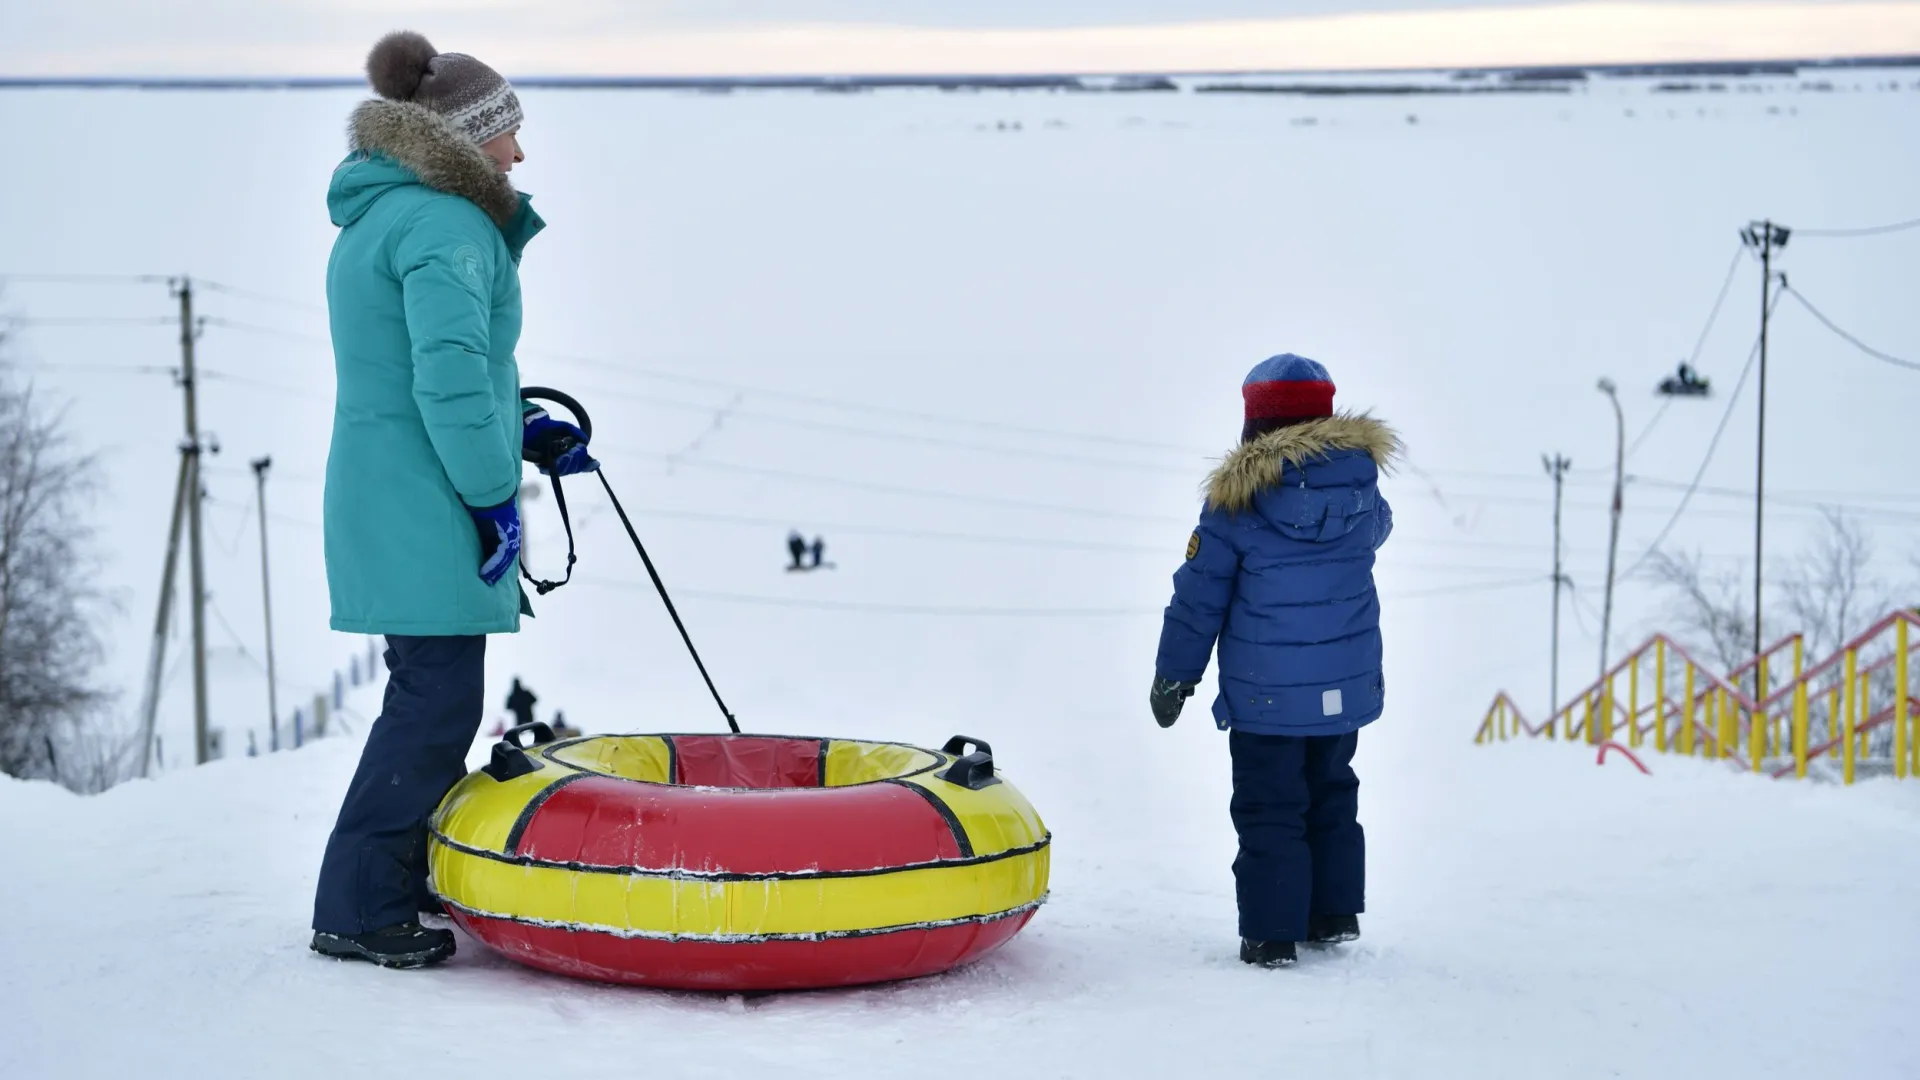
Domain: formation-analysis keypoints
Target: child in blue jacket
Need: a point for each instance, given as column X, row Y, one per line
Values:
column 1280, row 573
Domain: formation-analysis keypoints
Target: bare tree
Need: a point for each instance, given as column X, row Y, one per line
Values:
column 1707, row 611
column 53, row 711
column 1831, row 593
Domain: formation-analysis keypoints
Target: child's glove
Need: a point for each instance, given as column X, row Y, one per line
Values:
column 559, row 448
column 499, row 528
column 1167, row 698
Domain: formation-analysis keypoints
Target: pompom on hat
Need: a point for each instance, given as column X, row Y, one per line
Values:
column 403, row 66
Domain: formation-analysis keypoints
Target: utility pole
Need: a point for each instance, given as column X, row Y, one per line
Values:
column 1608, row 388
column 196, row 556
column 260, row 467
column 1763, row 236
column 1557, row 467
column 157, row 655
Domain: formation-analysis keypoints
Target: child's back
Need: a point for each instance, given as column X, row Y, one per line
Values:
column 1280, row 573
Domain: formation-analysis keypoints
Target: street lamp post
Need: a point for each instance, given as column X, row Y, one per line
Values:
column 1608, row 388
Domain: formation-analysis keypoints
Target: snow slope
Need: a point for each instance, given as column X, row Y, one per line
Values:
column 851, row 314
column 1533, row 916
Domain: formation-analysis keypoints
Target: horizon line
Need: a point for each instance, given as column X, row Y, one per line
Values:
column 1033, row 80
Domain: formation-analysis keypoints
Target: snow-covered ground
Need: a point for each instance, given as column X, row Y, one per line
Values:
column 1532, row 916
column 983, row 343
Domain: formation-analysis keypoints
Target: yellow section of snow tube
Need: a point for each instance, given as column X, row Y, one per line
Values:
column 801, row 861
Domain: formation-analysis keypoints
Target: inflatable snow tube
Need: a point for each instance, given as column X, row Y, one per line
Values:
column 738, row 862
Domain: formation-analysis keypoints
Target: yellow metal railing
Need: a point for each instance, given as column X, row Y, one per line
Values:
column 1763, row 717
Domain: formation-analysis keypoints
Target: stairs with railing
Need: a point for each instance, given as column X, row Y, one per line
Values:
column 1852, row 714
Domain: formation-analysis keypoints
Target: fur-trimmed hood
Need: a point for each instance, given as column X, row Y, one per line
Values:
column 430, row 147
column 1258, row 465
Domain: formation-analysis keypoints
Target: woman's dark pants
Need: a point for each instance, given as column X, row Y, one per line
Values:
column 374, row 874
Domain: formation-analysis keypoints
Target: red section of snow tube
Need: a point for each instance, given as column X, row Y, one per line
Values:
column 748, row 761
column 760, row 965
column 603, row 821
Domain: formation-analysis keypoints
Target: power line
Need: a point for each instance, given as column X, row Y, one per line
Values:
column 270, row 331
column 239, row 646
column 1475, row 587
column 928, row 493
column 1699, row 344
column 1043, row 543
column 861, row 608
column 262, row 384
column 1712, row 446
column 85, row 279
column 856, row 406
column 1871, row 230
column 264, row 298
column 1810, row 500
column 94, row 369
column 731, row 412
column 95, row 320
column 1850, row 339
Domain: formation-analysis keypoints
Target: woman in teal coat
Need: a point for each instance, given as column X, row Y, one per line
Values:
column 422, row 530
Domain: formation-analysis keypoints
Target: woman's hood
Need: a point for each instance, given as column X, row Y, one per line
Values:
column 395, row 143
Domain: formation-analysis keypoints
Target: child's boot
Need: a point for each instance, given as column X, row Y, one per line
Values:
column 1267, row 954
column 1333, row 929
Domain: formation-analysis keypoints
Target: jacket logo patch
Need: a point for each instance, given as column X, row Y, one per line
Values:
column 1330, row 703
column 468, row 261
column 1193, row 544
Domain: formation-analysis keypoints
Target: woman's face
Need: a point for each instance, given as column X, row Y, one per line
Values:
column 505, row 150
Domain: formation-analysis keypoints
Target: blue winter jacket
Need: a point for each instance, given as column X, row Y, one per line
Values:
column 1280, row 572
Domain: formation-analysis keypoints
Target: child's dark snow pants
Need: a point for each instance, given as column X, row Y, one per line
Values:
column 1302, row 851
column 374, row 873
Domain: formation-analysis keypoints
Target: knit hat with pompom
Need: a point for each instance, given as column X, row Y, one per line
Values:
column 403, row 66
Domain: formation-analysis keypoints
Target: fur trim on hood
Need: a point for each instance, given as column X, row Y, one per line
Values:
column 436, row 151
column 1253, row 467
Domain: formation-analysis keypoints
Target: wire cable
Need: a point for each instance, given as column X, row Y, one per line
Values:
column 731, row 411
column 1699, row 344
column 856, row 406
column 1849, row 338
column 1871, row 230
column 928, row 493
column 261, row 384
column 965, row 611
column 95, row 320
column 85, row 279
column 260, row 297
column 270, row 331
column 1732, row 399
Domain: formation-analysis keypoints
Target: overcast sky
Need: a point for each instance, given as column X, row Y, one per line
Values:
column 760, row 36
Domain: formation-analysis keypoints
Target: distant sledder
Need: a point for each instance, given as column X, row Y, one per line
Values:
column 801, row 551
column 1280, row 574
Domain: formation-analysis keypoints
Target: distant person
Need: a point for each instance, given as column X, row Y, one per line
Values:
column 797, row 547
column 520, row 702
column 1280, row 573
column 422, row 531
column 562, row 729
column 819, row 551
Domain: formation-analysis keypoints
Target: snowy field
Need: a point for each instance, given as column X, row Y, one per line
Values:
column 984, row 343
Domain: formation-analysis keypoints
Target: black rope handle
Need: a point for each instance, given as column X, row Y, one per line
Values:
column 585, row 424
column 542, row 393
column 667, row 600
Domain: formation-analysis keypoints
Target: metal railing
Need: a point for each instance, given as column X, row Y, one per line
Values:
column 1764, row 716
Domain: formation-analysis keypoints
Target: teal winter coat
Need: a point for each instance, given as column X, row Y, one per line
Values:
column 423, row 293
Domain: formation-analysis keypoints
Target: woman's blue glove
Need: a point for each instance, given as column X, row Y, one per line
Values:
column 557, row 447
column 499, row 540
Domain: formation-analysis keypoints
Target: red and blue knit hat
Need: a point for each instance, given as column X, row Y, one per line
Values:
column 1287, row 387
